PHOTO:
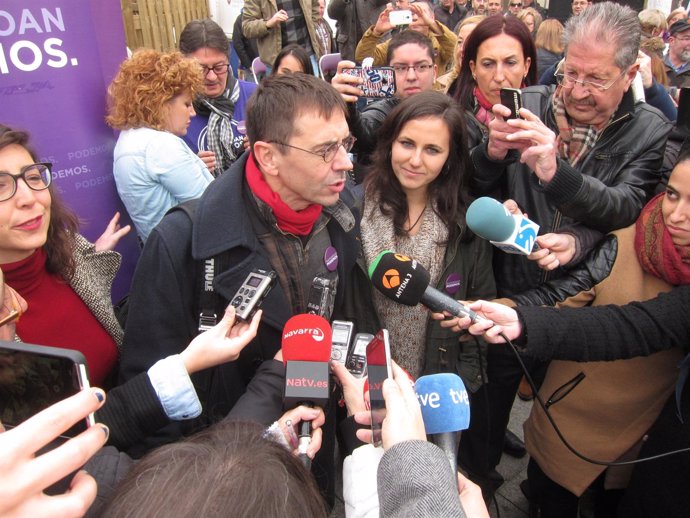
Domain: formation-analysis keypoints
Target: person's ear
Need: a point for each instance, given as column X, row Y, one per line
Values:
column 267, row 157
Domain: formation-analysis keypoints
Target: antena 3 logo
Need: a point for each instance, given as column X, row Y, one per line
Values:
column 391, row 279
column 316, row 333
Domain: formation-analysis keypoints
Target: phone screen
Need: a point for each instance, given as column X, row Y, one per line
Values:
column 512, row 98
column 378, row 369
column 31, row 381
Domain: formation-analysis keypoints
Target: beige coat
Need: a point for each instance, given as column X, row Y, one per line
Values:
column 610, row 410
column 269, row 41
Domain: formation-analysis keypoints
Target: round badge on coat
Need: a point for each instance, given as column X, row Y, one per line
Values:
column 330, row 259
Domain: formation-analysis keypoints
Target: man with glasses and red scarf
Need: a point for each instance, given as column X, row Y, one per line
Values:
column 584, row 153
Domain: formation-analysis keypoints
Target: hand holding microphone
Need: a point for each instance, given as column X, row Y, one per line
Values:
column 405, row 281
column 306, row 350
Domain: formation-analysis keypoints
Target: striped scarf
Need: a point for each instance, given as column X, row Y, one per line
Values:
column 574, row 140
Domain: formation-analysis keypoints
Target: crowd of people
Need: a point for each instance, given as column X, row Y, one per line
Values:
column 308, row 178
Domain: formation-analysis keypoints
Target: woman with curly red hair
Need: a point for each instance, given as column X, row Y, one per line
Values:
column 151, row 102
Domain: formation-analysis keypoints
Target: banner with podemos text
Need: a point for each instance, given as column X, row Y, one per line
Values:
column 57, row 58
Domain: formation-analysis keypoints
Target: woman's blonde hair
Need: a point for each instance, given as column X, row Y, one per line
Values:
column 550, row 36
column 535, row 16
column 145, row 82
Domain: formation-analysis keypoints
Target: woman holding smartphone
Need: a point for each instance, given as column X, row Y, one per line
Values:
column 499, row 53
column 415, row 203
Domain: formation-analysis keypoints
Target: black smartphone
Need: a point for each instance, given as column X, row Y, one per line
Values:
column 378, row 369
column 512, row 98
column 379, row 82
column 34, row 377
column 356, row 361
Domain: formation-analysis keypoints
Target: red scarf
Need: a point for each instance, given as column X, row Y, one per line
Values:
column 655, row 249
column 483, row 113
column 295, row 222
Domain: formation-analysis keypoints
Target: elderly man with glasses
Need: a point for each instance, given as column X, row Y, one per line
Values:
column 584, row 153
column 214, row 133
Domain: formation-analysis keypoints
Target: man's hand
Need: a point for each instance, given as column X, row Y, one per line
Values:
column 556, row 250
column 24, row 476
column 289, row 425
column 209, row 159
column 220, row 344
column 112, row 234
column 347, row 85
column 383, row 23
column 278, row 18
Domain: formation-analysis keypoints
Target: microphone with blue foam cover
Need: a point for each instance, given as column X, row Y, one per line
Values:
column 513, row 234
column 446, row 411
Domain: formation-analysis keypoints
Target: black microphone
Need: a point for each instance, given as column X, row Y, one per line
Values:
column 306, row 347
column 405, row 281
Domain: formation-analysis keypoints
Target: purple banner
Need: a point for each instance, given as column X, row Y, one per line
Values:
column 57, row 58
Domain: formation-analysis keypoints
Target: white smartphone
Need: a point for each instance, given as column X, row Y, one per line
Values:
column 402, row 17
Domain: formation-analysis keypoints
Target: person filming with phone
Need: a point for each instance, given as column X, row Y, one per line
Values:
column 583, row 152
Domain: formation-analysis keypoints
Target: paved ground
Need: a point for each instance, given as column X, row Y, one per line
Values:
column 511, row 502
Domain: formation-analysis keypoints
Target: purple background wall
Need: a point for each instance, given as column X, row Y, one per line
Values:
column 57, row 58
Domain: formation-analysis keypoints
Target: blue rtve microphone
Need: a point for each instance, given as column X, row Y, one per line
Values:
column 445, row 410
column 490, row 220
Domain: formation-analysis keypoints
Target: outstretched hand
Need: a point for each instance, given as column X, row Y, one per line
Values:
column 222, row 343
column 498, row 318
column 112, row 234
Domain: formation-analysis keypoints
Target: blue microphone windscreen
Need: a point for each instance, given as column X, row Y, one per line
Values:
column 444, row 401
column 489, row 219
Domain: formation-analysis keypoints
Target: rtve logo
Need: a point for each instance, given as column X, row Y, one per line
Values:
column 391, row 279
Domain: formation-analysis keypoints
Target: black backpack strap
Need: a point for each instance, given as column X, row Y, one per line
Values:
column 209, row 300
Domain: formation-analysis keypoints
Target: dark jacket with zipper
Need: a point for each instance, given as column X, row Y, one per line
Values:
column 606, row 191
column 164, row 301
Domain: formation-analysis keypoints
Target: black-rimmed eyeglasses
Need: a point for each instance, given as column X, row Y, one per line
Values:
column 329, row 152
column 36, row 176
column 220, row 69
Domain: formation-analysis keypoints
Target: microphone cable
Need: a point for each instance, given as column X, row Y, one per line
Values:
column 560, row 435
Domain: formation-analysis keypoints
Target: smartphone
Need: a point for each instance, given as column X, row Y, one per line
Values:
column 402, row 17
column 34, row 377
column 356, row 361
column 342, row 334
column 378, row 81
column 252, row 292
column 378, row 369
column 512, row 98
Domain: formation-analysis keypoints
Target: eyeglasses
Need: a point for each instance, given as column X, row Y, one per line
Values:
column 419, row 69
column 13, row 313
column 36, row 176
column 329, row 152
column 515, row 5
column 568, row 81
column 683, row 40
column 219, row 69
